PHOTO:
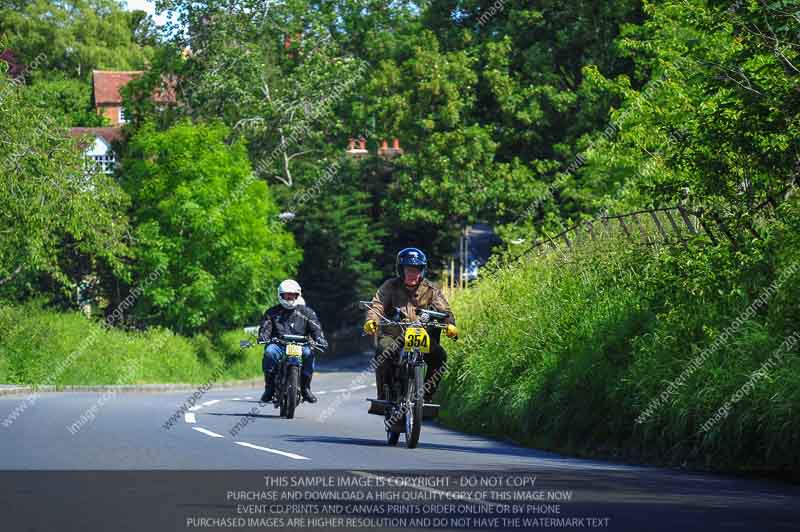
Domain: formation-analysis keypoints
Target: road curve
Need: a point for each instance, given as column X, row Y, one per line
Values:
column 117, row 461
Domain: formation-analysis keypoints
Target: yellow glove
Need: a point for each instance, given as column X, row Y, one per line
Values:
column 371, row 327
column 451, row 331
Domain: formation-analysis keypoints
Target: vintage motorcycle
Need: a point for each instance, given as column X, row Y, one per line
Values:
column 286, row 376
column 404, row 407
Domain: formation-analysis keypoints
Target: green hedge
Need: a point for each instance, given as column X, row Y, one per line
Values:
column 41, row 346
column 566, row 352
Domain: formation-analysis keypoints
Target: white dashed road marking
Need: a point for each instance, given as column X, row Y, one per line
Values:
column 208, row 432
column 275, row 451
column 191, row 418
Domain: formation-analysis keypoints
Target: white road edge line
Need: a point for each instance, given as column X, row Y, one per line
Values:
column 209, row 403
column 267, row 449
column 208, row 432
column 189, row 417
column 446, row 495
column 195, row 408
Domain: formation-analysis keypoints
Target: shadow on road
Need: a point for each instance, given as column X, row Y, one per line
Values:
column 380, row 442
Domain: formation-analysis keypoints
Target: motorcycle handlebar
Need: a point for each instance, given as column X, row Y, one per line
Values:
column 296, row 339
column 417, row 323
column 283, row 339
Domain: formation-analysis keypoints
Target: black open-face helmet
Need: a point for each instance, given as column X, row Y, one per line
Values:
column 411, row 257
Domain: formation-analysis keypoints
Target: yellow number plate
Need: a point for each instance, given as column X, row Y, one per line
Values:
column 294, row 350
column 417, row 338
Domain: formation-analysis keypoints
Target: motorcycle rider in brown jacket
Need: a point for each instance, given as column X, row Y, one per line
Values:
column 409, row 292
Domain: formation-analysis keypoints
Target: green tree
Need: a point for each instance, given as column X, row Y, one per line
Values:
column 279, row 74
column 340, row 240
column 68, row 101
column 73, row 36
column 203, row 220
column 51, row 205
column 718, row 122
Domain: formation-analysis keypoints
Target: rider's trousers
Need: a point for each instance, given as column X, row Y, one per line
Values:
column 274, row 352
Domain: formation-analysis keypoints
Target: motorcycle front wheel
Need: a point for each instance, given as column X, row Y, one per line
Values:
column 281, row 391
column 292, row 390
column 415, row 403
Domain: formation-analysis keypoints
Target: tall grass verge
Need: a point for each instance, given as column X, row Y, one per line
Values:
column 566, row 351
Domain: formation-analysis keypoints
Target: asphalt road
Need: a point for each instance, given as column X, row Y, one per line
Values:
column 104, row 461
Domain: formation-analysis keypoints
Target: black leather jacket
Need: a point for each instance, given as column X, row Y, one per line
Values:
column 299, row 320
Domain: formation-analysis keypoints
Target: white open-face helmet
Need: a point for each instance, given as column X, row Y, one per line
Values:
column 289, row 286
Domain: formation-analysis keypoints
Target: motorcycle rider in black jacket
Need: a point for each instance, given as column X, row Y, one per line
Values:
column 289, row 317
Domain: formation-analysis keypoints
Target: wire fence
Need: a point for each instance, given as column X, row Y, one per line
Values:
column 664, row 225
column 668, row 225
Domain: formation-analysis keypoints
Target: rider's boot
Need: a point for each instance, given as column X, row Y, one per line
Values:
column 305, row 389
column 266, row 397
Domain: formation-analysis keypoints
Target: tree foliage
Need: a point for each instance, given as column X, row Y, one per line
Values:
column 526, row 116
column 73, row 36
column 67, row 101
column 207, row 224
column 52, row 205
column 716, row 122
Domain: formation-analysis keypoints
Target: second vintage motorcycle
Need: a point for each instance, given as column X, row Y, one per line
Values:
column 287, row 374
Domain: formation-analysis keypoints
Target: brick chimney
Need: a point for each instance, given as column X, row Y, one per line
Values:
column 389, row 153
column 357, row 147
column 289, row 41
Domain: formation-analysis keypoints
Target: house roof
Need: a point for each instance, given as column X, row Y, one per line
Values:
column 107, row 85
column 109, row 134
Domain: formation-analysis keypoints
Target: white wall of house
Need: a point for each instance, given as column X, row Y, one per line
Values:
column 101, row 153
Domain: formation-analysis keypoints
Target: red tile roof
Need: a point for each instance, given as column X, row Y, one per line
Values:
column 107, row 85
column 109, row 134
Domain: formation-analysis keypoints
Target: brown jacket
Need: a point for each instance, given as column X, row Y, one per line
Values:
column 393, row 293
